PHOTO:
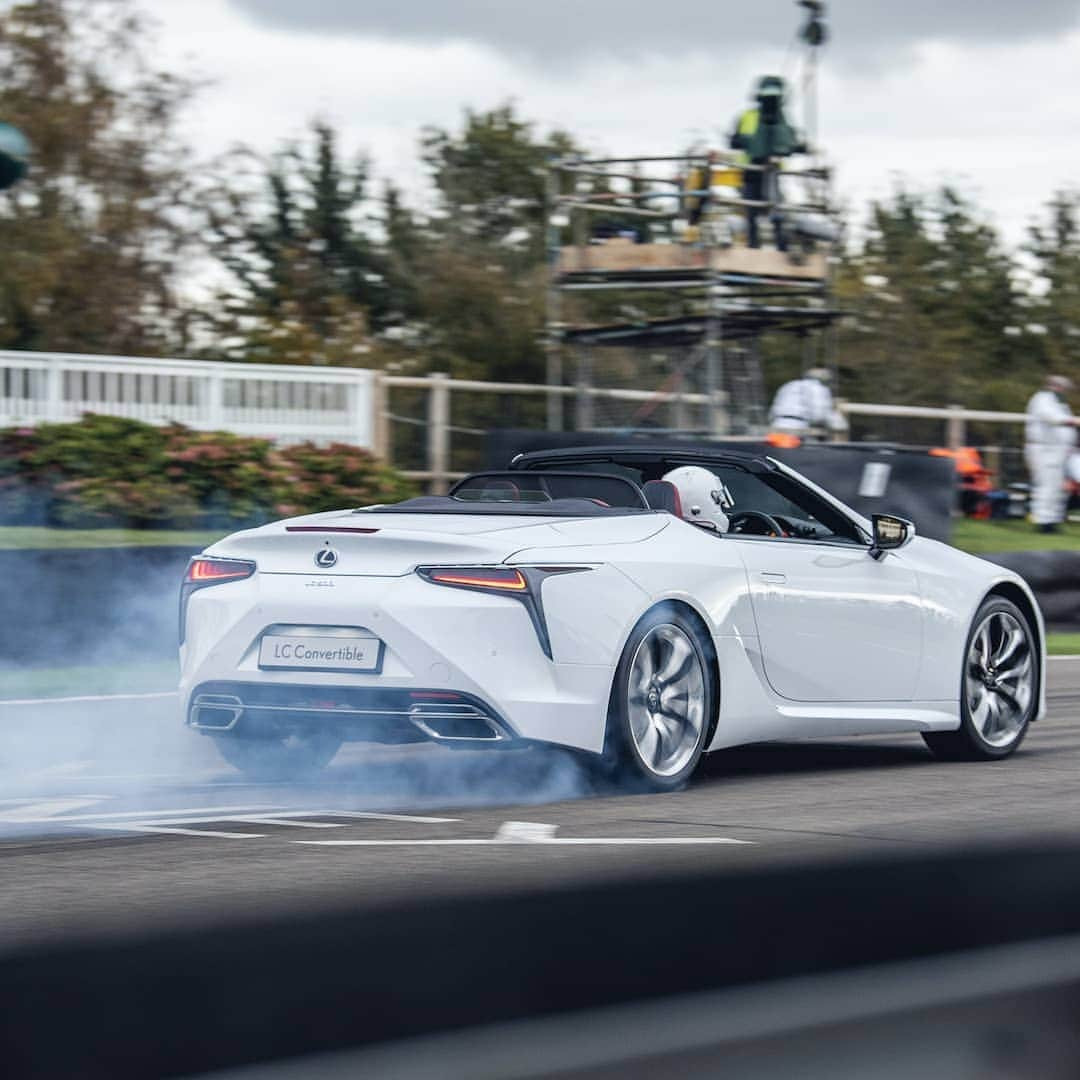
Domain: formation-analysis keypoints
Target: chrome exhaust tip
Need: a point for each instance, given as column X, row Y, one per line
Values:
column 463, row 723
column 215, row 712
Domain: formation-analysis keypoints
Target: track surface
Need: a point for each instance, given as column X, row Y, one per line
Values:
column 113, row 818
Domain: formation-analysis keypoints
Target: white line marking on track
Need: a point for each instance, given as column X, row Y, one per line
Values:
column 1065, row 656
column 529, row 832
column 568, row 841
column 79, row 819
column 47, row 809
column 385, row 817
column 178, row 831
column 88, row 697
column 292, row 822
column 177, row 821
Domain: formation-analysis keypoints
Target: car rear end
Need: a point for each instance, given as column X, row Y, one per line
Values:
column 397, row 629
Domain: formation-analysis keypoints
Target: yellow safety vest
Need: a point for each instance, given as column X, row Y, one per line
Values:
column 748, row 125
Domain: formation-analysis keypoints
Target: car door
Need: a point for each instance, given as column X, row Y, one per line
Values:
column 833, row 623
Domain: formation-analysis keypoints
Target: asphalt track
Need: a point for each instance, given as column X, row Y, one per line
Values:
column 114, row 819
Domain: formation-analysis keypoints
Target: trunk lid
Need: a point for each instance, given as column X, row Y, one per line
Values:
column 381, row 545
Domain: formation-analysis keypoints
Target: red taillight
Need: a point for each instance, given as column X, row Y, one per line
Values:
column 497, row 580
column 211, row 571
column 525, row 586
column 203, row 572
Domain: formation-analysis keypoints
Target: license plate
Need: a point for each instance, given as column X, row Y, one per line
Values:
column 313, row 652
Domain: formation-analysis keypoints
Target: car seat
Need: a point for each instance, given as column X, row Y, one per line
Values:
column 663, row 495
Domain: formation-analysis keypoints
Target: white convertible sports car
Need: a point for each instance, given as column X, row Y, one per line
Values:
column 568, row 601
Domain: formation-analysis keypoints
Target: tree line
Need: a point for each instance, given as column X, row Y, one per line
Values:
column 304, row 255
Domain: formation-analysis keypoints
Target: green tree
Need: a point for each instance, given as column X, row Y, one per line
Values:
column 481, row 285
column 938, row 316
column 491, row 181
column 308, row 280
column 1055, row 247
column 93, row 238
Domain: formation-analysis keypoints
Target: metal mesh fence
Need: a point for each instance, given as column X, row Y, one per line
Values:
column 438, row 443
column 474, row 413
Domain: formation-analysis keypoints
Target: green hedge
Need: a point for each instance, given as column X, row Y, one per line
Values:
column 109, row 471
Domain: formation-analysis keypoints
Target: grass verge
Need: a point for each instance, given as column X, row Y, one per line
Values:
column 1063, row 643
column 21, row 683
column 978, row 537
column 13, row 537
column 986, row 537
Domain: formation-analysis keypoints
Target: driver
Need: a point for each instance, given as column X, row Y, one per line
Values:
column 703, row 496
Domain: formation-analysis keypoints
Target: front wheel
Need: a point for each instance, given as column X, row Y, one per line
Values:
column 998, row 688
column 662, row 703
column 290, row 758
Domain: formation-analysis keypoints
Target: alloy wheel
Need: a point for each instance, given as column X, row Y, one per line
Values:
column 666, row 699
column 999, row 679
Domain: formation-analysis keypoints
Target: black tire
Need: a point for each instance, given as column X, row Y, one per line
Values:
column 624, row 760
column 291, row 758
column 970, row 741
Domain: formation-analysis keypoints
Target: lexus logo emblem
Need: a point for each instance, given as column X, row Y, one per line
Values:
column 325, row 558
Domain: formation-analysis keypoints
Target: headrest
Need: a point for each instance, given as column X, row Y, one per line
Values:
column 663, row 495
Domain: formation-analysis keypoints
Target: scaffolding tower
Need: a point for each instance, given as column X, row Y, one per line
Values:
column 685, row 307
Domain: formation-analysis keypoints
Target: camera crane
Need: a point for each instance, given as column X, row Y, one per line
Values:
column 814, row 33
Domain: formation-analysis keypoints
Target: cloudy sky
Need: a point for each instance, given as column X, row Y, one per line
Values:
column 982, row 93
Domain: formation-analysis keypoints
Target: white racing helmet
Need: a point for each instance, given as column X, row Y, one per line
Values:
column 702, row 494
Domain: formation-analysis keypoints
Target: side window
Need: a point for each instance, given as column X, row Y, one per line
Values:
column 762, row 502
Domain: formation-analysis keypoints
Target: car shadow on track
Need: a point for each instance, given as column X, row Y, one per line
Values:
column 779, row 759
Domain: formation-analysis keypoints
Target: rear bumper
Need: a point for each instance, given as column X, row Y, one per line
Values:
column 479, row 652
column 350, row 713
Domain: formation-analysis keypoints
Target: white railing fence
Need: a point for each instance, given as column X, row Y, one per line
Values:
column 432, row 427
column 285, row 403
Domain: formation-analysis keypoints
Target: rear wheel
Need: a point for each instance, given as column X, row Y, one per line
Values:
column 998, row 688
column 662, row 703
column 290, row 758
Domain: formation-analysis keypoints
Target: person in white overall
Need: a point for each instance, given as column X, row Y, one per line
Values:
column 1049, row 438
column 805, row 404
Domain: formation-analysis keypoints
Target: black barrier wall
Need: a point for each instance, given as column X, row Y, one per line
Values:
column 871, row 479
column 67, row 607
column 1054, row 576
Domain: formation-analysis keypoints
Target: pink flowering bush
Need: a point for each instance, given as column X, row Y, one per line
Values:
column 106, row 470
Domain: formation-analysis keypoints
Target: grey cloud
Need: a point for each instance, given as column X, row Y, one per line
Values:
column 549, row 30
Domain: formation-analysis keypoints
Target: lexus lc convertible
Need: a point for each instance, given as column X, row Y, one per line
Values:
column 573, row 600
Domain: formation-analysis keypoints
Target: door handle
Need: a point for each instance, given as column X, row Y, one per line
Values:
column 774, row 576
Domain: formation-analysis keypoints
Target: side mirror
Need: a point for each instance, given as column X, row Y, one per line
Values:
column 890, row 533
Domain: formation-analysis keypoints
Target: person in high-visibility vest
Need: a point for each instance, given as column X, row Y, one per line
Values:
column 764, row 136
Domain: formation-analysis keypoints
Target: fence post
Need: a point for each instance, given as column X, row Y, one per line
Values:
column 214, row 398
column 438, row 432
column 380, row 418
column 839, row 434
column 681, row 421
column 955, row 428
column 584, row 404
column 54, row 389
column 719, row 416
